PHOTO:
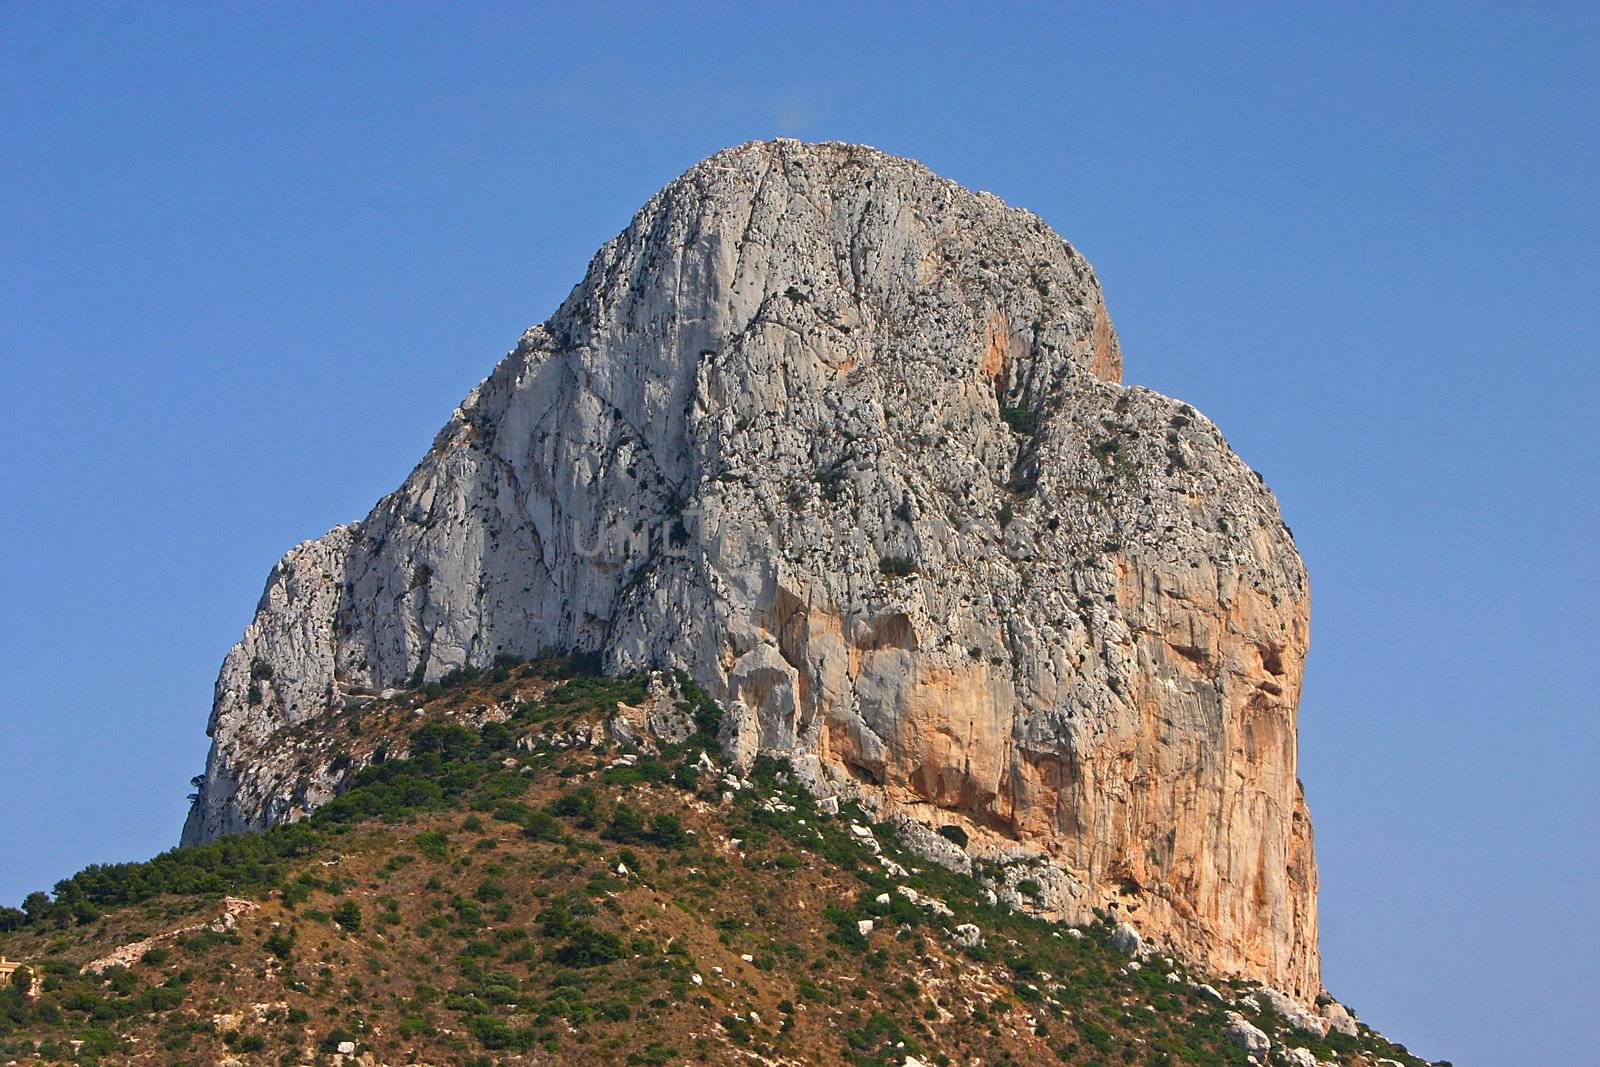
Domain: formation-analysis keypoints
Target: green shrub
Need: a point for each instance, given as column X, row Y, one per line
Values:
column 1021, row 420
column 705, row 711
column 97, row 1041
column 434, row 844
column 447, row 739
column 163, row 997
column 897, row 566
column 587, row 946
column 655, row 1054
column 281, row 941
column 630, row 827
column 348, row 915
column 845, row 931
column 581, row 804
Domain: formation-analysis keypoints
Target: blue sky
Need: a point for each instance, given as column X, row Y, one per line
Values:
column 251, row 256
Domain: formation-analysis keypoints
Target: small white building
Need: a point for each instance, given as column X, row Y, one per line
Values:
column 10, row 967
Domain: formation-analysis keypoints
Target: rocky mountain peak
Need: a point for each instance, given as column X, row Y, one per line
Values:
column 842, row 237
column 845, row 443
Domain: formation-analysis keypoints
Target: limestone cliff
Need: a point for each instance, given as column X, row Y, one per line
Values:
column 846, row 442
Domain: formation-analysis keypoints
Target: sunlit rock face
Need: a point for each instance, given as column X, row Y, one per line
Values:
column 846, row 442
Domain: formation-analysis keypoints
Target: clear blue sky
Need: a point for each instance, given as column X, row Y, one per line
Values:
column 251, row 256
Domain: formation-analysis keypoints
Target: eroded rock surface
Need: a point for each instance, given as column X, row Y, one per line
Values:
column 846, row 443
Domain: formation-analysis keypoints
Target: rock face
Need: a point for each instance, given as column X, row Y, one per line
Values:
column 846, row 442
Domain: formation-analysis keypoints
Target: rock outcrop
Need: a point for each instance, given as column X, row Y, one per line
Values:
column 846, row 443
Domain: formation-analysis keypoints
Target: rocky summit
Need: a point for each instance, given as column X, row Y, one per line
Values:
column 846, row 444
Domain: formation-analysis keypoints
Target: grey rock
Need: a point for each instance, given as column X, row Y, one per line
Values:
column 1247, row 1036
column 663, row 717
column 1294, row 1013
column 846, row 443
column 928, row 843
column 1339, row 1018
column 1126, row 940
column 740, row 736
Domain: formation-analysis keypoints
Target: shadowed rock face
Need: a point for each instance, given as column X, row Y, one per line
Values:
column 846, row 443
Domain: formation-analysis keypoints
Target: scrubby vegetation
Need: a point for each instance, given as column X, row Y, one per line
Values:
column 897, row 566
column 514, row 890
column 1021, row 420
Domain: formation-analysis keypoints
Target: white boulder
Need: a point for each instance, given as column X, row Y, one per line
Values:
column 1248, row 1037
column 1126, row 940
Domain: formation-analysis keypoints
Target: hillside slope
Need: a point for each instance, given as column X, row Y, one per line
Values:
column 528, row 871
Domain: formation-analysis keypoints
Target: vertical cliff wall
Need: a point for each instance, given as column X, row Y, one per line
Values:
column 846, row 442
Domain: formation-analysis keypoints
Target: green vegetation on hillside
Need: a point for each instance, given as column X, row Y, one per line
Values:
column 507, row 890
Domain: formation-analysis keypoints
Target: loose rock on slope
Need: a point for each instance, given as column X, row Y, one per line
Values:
column 845, row 442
